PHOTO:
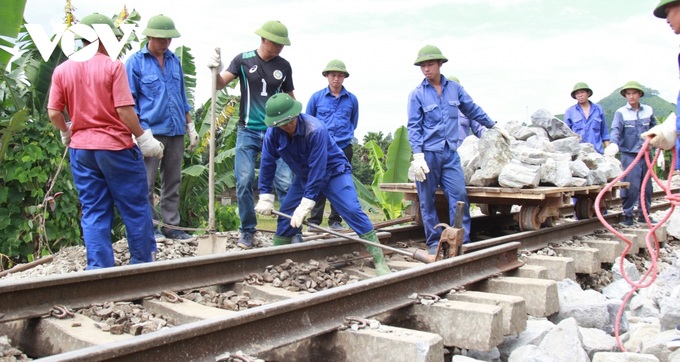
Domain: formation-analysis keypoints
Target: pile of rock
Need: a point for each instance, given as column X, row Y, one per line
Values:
column 546, row 152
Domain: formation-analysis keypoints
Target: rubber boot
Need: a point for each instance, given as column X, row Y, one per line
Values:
column 381, row 267
column 280, row 240
column 296, row 239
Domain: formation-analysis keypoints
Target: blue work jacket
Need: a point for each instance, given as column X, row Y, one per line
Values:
column 339, row 114
column 629, row 124
column 311, row 154
column 592, row 129
column 433, row 120
column 160, row 98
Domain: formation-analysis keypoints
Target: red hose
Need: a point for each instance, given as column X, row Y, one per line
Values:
column 650, row 276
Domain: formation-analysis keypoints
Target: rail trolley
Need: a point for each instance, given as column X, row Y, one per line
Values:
column 539, row 206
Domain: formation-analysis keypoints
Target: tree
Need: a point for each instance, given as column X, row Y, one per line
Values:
column 361, row 161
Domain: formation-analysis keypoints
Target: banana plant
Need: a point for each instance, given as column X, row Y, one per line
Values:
column 390, row 169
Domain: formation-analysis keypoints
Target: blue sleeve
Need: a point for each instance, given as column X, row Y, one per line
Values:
column 567, row 118
column 354, row 117
column 268, row 163
column 318, row 161
column 415, row 122
column 603, row 126
column 311, row 105
column 472, row 111
column 477, row 129
column 617, row 126
column 132, row 70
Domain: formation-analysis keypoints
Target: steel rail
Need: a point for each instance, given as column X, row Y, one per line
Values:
column 260, row 329
column 34, row 297
column 539, row 239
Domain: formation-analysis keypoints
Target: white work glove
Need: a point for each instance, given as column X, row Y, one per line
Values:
column 193, row 137
column 215, row 60
column 150, row 146
column 663, row 135
column 611, row 150
column 661, row 161
column 306, row 205
column 418, row 168
column 66, row 136
column 503, row 133
column 265, row 204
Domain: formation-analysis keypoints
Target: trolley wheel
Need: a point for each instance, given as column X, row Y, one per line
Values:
column 528, row 218
column 584, row 208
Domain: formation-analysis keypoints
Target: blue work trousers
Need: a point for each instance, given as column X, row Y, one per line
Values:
column 317, row 212
column 105, row 179
column 248, row 147
column 339, row 191
column 447, row 172
column 631, row 196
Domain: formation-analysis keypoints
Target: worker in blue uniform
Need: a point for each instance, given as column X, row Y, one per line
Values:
column 433, row 128
column 320, row 168
column 586, row 118
column 630, row 122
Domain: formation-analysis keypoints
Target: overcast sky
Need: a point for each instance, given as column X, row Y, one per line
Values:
column 512, row 56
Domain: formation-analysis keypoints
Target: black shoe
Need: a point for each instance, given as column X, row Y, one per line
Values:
column 643, row 221
column 627, row 221
column 177, row 235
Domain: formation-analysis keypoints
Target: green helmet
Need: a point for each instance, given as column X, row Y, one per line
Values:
column 280, row 109
column 275, row 32
column 429, row 52
column 335, row 65
column 453, row 78
column 660, row 9
column 581, row 86
column 97, row 18
column 161, row 26
column 632, row 85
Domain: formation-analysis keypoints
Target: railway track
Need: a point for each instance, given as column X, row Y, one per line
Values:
column 295, row 318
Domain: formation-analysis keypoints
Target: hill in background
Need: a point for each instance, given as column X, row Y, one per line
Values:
column 614, row 101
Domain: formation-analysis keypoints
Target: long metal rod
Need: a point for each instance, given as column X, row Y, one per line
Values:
column 348, row 237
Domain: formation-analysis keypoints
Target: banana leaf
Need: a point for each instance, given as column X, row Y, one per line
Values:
column 189, row 70
column 11, row 16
